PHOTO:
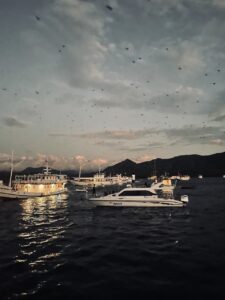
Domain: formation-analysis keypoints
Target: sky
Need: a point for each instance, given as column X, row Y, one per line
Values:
column 94, row 82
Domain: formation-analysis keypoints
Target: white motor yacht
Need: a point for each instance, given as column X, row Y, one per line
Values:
column 138, row 197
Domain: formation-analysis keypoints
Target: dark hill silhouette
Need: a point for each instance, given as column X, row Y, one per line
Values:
column 193, row 165
column 31, row 171
column 125, row 167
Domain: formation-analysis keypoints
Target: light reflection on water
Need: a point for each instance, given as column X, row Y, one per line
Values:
column 41, row 233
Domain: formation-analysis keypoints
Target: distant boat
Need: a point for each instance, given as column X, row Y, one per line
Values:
column 184, row 177
column 164, row 186
column 81, row 190
column 200, row 176
column 37, row 185
column 138, row 197
column 100, row 179
column 181, row 177
column 8, row 192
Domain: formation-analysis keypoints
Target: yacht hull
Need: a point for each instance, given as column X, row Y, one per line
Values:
column 137, row 203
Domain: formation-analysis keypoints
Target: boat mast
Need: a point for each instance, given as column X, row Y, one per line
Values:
column 11, row 171
column 46, row 170
column 79, row 171
column 155, row 167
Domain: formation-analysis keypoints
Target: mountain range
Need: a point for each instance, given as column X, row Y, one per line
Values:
column 193, row 165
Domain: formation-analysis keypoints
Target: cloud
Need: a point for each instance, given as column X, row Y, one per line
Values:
column 186, row 134
column 218, row 109
column 196, row 135
column 116, row 134
column 54, row 161
column 219, row 3
column 180, row 99
column 152, row 136
column 143, row 158
column 88, row 66
column 220, row 118
column 84, row 47
column 58, row 134
column 108, row 134
column 14, row 122
column 219, row 142
column 5, row 161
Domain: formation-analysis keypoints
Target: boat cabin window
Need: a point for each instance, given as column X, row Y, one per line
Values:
column 136, row 193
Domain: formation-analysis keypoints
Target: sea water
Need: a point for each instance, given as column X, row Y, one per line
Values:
column 62, row 247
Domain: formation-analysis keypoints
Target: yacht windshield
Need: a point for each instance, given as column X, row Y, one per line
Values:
column 136, row 193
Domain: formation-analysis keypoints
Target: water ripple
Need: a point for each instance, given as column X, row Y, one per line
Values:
column 51, row 248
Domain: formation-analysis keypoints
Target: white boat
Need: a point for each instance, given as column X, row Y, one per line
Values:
column 37, row 185
column 181, row 177
column 100, row 179
column 81, row 190
column 138, row 197
column 96, row 180
column 7, row 192
column 200, row 176
column 165, row 186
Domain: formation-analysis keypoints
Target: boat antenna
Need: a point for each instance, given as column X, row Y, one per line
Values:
column 154, row 167
column 11, row 171
column 46, row 170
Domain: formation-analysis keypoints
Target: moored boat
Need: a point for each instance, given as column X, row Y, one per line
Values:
column 100, row 179
column 181, row 177
column 30, row 186
column 7, row 192
column 43, row 184
column 138, row 197
column 166, row 186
